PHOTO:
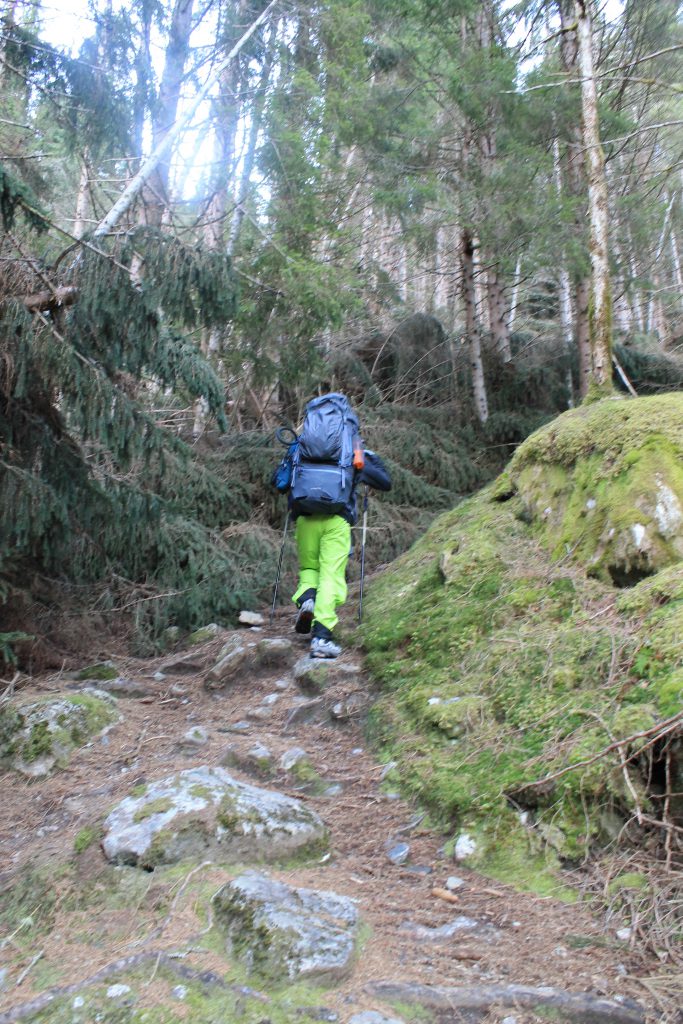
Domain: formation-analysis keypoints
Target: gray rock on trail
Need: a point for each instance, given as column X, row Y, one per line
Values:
column 233, row 656
column 257, row 760
column 459, row 925
column 206, row 812
column 195, row 737
column 306, row 711
column 373, row 1017
column 476, row 1003
column 274, row 653
column 37, row 736
column 133, row 689
column 251, row 619
column 292, row 757
column 279, row 931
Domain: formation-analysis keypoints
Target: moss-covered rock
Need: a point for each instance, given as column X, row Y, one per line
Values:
column 37, row 736
column 205, row 811
column 501, row 668
column 604, row 483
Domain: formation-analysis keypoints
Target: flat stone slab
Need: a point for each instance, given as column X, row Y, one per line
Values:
column 475, row 1003
column 39, row 735
column 205, row 811
column 280, row 931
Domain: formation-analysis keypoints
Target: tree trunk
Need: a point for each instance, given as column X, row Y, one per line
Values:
column 155, row 194
column 600, row 313
column 82, row 199
column 472, row 328
column 500, row 329
column 129, row 194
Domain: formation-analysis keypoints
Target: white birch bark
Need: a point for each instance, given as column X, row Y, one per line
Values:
column 600, row 313
column 472, row 328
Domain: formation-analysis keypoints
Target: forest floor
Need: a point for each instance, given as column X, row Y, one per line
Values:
column 71, row 936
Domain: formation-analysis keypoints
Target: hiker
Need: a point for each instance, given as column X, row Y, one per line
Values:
column 321, row 473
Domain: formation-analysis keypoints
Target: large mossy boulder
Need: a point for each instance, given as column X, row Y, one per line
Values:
column 509, row 673
column 604, row 483
column 37, row 736
column 206, row 812
column 279, row 931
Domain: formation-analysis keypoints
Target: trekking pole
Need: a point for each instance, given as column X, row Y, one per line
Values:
column 362, row 551
column 279, row 569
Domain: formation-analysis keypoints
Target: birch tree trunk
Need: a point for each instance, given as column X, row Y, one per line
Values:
column 576, row 187
column 472, row 327
column 155, row 194
column 82, row 199
column 600, row 312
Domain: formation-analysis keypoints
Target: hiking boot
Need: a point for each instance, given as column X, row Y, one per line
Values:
column 305, row 616
column 322, row 648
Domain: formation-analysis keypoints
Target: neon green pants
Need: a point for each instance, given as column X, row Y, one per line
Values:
column 323, row 543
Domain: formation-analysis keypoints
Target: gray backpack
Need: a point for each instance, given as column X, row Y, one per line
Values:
column 322, row 472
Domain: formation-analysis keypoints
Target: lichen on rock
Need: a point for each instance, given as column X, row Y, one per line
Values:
column 205, row 811
column 37, row 736
column 281, row 932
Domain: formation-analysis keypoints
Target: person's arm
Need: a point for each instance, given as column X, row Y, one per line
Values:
column 374, row 473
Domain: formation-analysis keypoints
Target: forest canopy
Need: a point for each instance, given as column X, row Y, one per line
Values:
column 463, row 213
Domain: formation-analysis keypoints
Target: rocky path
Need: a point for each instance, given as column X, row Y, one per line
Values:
column 90, row 933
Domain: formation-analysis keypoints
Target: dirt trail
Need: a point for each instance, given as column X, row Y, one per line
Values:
column 523, row 940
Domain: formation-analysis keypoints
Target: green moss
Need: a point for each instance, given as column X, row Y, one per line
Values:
column 38, row 743
column 600, row 484
column 102, row 670
column 629, row 880
column 85, row 838
column 498, row 668
column 139, row 790
column 158, row 806
column 201, row 636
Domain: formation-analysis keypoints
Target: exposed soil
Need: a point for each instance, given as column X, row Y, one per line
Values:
column 533, row 941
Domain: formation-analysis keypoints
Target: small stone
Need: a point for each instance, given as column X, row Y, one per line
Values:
column 334, row 789
column 132, row 688
column 238, row 727
column 273, row 652
column 509, row 1020
column 465, row 846
column 348, row 708
column 434, row 700
column 208, row 632
column 292, row 757
column 399, row 853
column 389, row 767
column 624, row 934
column 259, row 714
column 177, row 691
column 271, row 699
column 356, row 751
column 231, row 658
column 373, row 1017
column 282, row 684
column 171, row 635
column 158, row 677
column 306, row 711
column 318, row 1013
column 453, row 883
column 78, row 1002
column 116, row 991
column 251, row 619
column 312, row 674
column 197, row 736
column 422, row 933
column 179, row 992
column 184, row 664
column 420, row 869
